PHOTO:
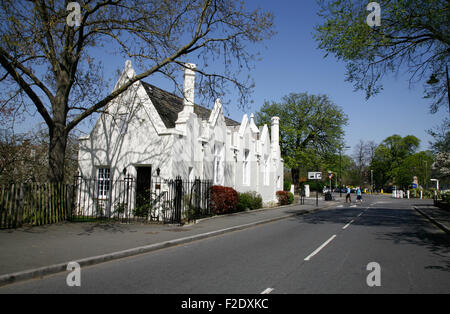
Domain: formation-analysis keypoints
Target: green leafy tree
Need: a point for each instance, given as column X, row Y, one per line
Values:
column 50, row 66
column 418, row 164
column 389, row 158
column 311, row 130
column 413, row 36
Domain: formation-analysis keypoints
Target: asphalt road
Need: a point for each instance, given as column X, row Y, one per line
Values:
column 323, row 252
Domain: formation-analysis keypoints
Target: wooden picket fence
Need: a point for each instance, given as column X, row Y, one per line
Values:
column 35, row 204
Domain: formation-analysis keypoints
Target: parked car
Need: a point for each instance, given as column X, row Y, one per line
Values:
column 389, row 189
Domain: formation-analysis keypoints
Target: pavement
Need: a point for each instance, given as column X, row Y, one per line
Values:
column 33, row 252
column 381, row 245
column 440, row 217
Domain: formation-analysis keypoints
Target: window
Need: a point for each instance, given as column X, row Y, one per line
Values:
column 218, row 164
column 266, row 170
column 104, row 180
column 246, row 168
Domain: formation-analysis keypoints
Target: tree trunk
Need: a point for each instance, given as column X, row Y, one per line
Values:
column 58, row 131
column 57, row 152
column 448, row 87
column 295, row 172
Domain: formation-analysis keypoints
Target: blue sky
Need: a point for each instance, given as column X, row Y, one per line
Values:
column 292, row 63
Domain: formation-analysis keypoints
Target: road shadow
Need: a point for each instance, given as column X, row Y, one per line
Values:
column 401, row 226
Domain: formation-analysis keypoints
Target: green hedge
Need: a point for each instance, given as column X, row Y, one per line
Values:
column 249, row 200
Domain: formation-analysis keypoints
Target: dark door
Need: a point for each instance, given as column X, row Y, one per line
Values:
column 143, row 186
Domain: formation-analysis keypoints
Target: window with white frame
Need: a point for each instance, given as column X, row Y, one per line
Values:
column 266, row 170
column 246, row 167
column 104, row 182
column 218, row 164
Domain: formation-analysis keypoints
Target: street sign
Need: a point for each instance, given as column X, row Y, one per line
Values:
column 315, row 175
column 414, row 185
column 330, row 175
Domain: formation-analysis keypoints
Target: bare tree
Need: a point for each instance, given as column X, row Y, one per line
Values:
column 48, row 63
column 363, row 155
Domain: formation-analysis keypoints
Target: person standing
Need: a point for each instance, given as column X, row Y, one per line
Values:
column 358, row 194
column 348, row 197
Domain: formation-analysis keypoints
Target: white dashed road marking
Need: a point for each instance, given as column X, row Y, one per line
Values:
column 345, row 227
column 267, row 291
column 320, row 248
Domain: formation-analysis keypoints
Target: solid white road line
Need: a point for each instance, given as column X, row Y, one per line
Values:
column 267, row 291
column 339, row 206
column 319, row 248
column 345, row 227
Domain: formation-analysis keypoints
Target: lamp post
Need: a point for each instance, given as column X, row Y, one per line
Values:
column 371, row 181
column 437, row 188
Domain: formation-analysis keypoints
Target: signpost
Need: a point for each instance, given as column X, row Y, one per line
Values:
column 315, row 176
column 330, row 176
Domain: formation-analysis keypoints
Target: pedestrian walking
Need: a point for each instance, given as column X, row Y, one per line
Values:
column 347, row 197
column 358, row 194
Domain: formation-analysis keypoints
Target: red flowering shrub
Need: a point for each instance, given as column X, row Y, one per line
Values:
column 224, row 199
column 284, row 198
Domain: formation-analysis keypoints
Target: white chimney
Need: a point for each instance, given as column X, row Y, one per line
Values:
column 275, row 132
column 188, row 97
column 189, row 88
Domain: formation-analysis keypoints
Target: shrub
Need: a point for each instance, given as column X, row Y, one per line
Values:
column 223, row 199
column 284, row 198
column 315, row 185
column 445, row 196
column 428, row 193
column 249, row 200
column 291, row 198
column 287, row 185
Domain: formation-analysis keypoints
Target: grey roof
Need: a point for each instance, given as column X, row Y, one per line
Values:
column 169, row 105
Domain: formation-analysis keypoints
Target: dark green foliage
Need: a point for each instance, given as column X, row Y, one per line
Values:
column 311, row 130
column 249, row 200
column 413, row 36
column 287, row 185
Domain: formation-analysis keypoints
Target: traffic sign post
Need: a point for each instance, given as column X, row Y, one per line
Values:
column 330, row 176
column 315, row 176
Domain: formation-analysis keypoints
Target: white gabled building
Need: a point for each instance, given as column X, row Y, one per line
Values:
column 147, row 128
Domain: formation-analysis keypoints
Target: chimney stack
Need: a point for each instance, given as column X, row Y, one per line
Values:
column 275, row 134
column 189, row 88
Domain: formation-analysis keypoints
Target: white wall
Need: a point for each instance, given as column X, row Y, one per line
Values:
column 146, row 141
